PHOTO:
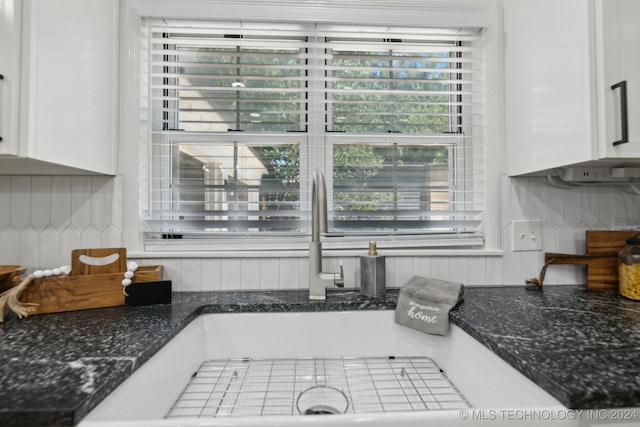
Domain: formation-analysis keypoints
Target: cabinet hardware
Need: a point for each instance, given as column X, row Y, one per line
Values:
column 623, row 111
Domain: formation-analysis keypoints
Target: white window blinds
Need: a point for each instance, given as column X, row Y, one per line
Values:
column 241, row 113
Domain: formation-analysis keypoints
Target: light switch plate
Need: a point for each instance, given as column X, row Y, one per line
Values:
column 526, row 235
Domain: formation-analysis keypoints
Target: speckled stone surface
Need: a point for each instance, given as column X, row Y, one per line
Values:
column 580, row 346
column 55, row 368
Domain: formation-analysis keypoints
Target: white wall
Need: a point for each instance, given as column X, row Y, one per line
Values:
column 43, row 218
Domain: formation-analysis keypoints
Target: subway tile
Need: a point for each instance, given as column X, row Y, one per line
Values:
column 250, row 273
column 70, row 239
column 580, row 238
column 172, row 270
column 111, row 237
column 458, row 270
column 269, row 273
column 532, row 262
column 512, row 268
column 625, row 203
column 606, row 207
column 440, row 268
column 573, row 206
column 289, row 277
column 117, row 202
column 402, row 271
column 566, row 243
column 49, row 249
column 20, row 202
column 90, row 237
column 191, row 274
column 507, row 241
column 58, row 214
column 549, row 238
column 520, row 202
column 230, row 273
column 5, row 202
column 303, row 272
column 555, row 207
column 60, row 202
column 210, row 274
column 476, row 271
column 494, row 270
column 422, row 266
column 10, row 238
column 101, row 202
column 505, row 199
column 590, row 209
column 538, row 198
column 40, row 202
column 29, row 239
column 81, row 201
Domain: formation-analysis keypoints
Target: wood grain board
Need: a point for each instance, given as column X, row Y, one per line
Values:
column 93, row 284
column 10, row 275
column 68, row 293
column 100, row 258
column 601, row 258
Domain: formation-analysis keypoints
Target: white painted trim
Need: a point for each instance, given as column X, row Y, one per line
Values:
column 129, row 129
column 305, row 254
column 399, row 12
column 486, row 13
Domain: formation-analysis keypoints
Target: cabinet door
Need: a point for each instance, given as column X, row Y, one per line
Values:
column 71, row 68
column 549, row 93
column 10, row 71
column 620, row 62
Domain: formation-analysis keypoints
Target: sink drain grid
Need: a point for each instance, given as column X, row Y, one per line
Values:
column 258, row 387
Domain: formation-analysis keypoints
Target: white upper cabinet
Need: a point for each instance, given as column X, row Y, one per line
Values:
column 618, row 71
column 10, row 13
column 69, row 88
column 562, row 59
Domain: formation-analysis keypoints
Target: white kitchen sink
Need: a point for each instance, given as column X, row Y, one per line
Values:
column 494, row 390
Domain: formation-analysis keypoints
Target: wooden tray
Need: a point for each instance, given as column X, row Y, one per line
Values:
column 10, row 275
column 87, row 286
column 601, row 258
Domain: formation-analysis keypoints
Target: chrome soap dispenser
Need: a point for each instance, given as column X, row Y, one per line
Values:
column 372, row 273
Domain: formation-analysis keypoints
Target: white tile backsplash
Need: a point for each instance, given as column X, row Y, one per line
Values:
column 61, row 202
column 43, row 218
column 230, row 274
column 191, row 272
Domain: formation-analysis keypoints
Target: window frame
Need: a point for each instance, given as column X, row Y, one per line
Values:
column 483, row 12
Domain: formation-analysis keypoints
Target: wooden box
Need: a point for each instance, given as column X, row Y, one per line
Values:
column 86, row 286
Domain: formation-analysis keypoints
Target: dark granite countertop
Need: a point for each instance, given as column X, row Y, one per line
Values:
column 577, row 345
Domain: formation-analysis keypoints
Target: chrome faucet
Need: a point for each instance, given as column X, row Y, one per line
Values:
column 319, row 281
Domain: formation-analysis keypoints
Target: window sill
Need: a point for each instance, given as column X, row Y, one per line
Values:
column 432, row 252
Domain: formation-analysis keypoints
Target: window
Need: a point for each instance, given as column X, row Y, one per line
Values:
column 241, row 113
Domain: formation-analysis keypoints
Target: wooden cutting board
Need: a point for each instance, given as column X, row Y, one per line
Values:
column 601, row 258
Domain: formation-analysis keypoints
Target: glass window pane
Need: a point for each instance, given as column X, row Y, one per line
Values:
column 210, row 85
column 385, row 90
column 232, row 186
column 389, row 187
